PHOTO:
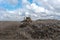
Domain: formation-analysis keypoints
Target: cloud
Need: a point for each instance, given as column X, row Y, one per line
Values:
column 9, row 15
column 38, row 9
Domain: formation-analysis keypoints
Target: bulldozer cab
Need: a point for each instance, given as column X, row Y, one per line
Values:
column 28, row 19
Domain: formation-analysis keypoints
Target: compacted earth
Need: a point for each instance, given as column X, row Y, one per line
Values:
column 35, row 30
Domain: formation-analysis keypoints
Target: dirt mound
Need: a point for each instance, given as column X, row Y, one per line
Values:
column 35, row 30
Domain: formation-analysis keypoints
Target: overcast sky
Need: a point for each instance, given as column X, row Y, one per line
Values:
column 36, row 9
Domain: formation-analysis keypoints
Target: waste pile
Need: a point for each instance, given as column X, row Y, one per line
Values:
column 33, row 30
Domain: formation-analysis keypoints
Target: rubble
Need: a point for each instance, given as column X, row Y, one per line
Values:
column 30, row 30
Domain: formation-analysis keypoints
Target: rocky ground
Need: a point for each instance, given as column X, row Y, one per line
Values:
column 36, row 30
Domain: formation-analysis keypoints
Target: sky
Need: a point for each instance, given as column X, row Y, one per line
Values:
column 16, row 10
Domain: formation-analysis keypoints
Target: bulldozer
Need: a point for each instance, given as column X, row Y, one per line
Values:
column 27, row 19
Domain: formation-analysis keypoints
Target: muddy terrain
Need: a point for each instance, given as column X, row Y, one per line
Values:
column 35, row 30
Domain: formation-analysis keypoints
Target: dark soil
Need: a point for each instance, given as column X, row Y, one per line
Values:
column 36, row 30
